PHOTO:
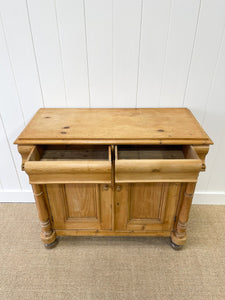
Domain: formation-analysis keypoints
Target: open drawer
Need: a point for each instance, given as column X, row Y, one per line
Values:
column 153, row 163
column 69, row 164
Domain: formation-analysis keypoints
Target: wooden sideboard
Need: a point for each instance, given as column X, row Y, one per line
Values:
column 113, row 172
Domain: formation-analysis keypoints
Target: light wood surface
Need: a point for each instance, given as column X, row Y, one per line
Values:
column 202, row 152
column 183, row 166
column 82, row 200
column 97, row 232
column 152, row 205
column 69, row 152
column 146, row 206
column 73, row 167
column 80, row 206
column 24, row 151
column 149, row 152
column 108, row 172
column 164, row 124
column 179, row 235
column 48, row 235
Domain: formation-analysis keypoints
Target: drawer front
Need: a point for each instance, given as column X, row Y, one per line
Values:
column 69, row 164
column 156, row 164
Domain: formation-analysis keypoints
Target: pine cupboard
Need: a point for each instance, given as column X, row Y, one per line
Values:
column 113, row 172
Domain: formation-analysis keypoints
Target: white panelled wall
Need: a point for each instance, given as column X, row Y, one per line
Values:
column 111, row 53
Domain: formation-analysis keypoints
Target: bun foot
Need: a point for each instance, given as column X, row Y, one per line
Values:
column 175, row 246
column 51, row 245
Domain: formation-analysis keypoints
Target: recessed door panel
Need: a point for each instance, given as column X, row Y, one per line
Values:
column 147, row 201
column 80, row 206
column 146, row 206
column 82, row 200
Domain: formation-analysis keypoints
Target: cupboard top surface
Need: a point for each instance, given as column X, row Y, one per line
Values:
column 145, row 125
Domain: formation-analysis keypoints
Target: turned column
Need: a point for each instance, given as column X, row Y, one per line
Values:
column 178, row 236
column 48, row 235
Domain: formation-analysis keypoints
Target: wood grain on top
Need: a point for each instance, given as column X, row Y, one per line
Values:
column 58, row 125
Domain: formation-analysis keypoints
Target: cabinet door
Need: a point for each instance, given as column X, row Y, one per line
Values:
column 80, row 206
column 146, row 206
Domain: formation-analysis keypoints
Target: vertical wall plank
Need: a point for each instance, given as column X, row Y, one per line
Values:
column 18, row 35
column 8, row 174
column 73, row 42
column 48, row 51
column 10, row 109
column 202, row 77
column 154, row 32
column 214, row 124
column 98, row 20
column 208, row 40
column 216, row 169
column 181, row 36
column 127, row 18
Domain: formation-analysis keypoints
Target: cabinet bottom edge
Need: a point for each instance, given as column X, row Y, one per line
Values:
column 67, row 232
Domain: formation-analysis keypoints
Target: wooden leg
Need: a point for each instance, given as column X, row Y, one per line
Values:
column 48, row 235
column 178, row 236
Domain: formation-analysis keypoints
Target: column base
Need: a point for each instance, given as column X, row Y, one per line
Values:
column 52, row 245
column 175, row 246
column 177, row 241
column 48, row 239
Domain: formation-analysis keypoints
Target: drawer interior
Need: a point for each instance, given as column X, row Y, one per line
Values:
column 155, row 152
column 71, row 153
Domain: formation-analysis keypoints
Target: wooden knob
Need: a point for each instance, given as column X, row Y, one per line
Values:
column 118, row 188
column 105, row 187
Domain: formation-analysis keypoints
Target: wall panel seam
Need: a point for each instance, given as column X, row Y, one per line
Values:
column 165, row 54
column 192, row 52
column 35, row 55
column 213, row 76
column 206, row 107
column 12, row 69
column 60, row 52
column 9, row 146
column 86, row 48
column 112, row 54
column 1, row 186
column 139, row 50
column 215, row 157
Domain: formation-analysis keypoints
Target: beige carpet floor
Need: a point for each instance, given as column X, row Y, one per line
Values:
column 111, row 268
